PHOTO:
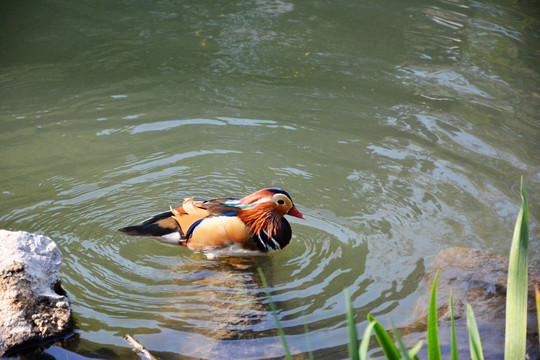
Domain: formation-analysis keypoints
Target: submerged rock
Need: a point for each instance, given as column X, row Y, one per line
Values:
column 33, row 306
column 478, row 278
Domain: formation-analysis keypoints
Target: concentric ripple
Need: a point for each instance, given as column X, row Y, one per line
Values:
column 398, row 130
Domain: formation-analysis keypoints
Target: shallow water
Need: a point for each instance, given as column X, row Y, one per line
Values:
column 399, row 130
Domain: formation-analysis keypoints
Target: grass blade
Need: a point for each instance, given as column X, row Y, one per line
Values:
column 404, row 353
column 353, row 336
column 362, row 351
column 434, row 350
column 384, row 339
column 453, row 340
column 415, row 349
column 474, row 336
column 274, row 312
column 516, row 298
column 308, row 340
column 537, row 292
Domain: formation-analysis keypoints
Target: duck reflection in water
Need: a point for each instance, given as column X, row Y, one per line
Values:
column 224, row 300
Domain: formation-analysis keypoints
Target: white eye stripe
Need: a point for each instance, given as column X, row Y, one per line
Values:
column 282, row 200
column 282, row 196
column 265, row 200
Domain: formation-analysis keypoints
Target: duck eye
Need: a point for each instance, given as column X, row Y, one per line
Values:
column 281, row 202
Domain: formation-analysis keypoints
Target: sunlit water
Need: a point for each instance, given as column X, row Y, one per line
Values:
column 398, row 128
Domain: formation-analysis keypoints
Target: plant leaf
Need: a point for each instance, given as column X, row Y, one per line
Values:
column 516, row 295
column 537, row 292
column 404, row 353
column 384, row 340
column 474, row 336
column 308, row 340
column 362, row 351
column 274, row 312
column 434, row 350
column 353, row 337
column 453, row 341
column 415, row 349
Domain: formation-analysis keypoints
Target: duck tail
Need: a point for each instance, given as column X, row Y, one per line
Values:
column 162, row 226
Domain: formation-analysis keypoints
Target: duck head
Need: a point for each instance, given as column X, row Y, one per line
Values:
column 275, row 200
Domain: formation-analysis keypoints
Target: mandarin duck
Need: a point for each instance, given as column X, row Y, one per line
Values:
column 254, row 223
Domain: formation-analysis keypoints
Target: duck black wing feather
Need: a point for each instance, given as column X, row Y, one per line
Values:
column 156, row 226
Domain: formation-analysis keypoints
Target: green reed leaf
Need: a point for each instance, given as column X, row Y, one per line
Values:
column 537, row 292
column 274, row 312
column 404, row 352
column 434, row 350
column 384, row 339
column 308, row 340
column 474, row 336
column 353, row 336
column 362, row 351
column 453, row 340
column 516, row 295
column 415, row 349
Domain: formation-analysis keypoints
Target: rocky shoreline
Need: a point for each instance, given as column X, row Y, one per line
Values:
column 475, row 277
column 33, row 307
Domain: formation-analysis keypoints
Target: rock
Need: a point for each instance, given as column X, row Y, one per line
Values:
column 478, row 278
column 33, row 306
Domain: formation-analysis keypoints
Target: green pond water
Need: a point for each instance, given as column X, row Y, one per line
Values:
column 399, row 128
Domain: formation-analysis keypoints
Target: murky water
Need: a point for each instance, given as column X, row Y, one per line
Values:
column 398, row 128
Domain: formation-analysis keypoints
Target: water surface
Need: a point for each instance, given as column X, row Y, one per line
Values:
column 398, row 129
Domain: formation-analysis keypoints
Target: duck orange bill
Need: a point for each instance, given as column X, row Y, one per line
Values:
column 294, row 212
